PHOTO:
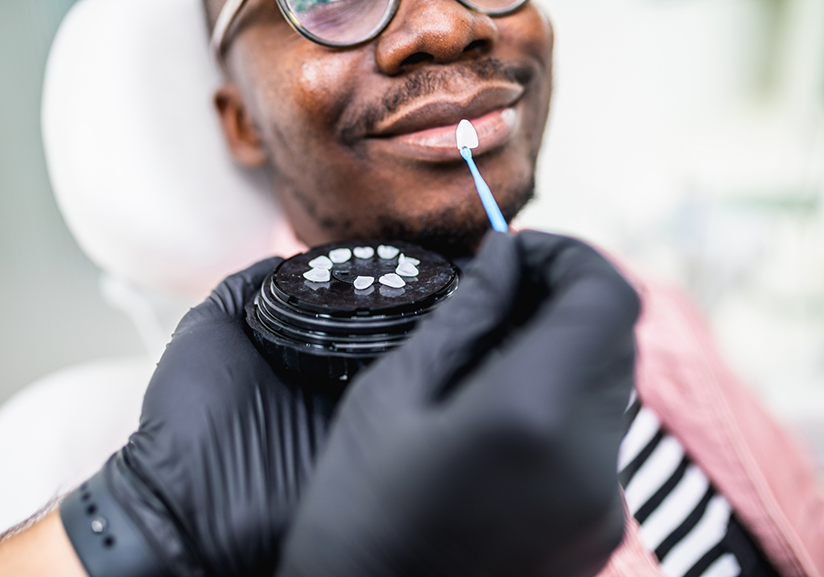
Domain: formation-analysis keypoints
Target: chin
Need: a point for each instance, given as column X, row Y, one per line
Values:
column 452, row 231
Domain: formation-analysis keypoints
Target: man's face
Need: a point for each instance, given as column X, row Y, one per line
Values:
column 361, row 141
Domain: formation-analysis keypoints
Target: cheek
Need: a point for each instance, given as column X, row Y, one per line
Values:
column 319, row 86
column 529, row 32
column 293, row 84
column 301, row 105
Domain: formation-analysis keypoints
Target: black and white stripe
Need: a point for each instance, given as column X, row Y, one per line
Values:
column 687, row 524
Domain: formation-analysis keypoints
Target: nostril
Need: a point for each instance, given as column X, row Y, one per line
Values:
column 417, row 58
column 476, row 45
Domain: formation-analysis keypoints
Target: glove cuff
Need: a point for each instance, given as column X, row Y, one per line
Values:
column 107, row 541
column 121, row 529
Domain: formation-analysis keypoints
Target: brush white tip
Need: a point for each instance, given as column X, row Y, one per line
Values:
column 466, row 135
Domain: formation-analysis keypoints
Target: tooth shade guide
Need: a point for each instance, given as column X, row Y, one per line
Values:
column 322, row 261
column 318, row 275
column 364, row 282
column 392, row 281
column 340, row 255
column 388, row 252
column 406, row 269
column 340, row 293
column 413, row 261
column 466, row 136
column 363, row 252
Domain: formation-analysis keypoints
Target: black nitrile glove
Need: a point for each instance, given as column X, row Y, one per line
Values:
column 483, row 448
column 207, row 484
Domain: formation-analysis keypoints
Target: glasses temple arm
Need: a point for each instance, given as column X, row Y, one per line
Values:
column 224, row 21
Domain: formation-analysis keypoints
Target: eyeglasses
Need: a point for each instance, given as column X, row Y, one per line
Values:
column 341, row 23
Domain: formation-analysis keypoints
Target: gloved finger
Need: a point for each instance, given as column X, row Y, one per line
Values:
column 460, row 330
column 210, row 346
column 551, row 260
column 229, row 298
column 547, row 408
column 233, row 293
column 580, row 338
column 591, row 309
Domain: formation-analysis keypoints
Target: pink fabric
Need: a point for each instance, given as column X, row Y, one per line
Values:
column 751, row 460
column 632, row 559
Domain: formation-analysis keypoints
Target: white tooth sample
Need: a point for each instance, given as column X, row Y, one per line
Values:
column 318, row 275
column 321, row 262
column 364, row 252
column 466, row 136
column 340, row 255
column 364, row 282
column 392, row 280
column 387, row 252
column 406, row 269
column 413, row 261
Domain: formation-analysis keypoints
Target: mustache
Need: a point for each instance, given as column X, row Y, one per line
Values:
column 424, row 82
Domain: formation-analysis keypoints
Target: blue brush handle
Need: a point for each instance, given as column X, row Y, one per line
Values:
column 492, row 211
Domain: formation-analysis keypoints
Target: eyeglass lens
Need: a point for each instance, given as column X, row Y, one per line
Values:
column 348, row 22
column 341, row 21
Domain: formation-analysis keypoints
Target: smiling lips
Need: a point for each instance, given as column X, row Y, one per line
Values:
column 425, row 130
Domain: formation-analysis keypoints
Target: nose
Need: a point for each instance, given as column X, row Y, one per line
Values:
column 439, row 31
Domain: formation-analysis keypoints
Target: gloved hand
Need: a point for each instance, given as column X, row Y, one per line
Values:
column 207, row 484
column 487, row 444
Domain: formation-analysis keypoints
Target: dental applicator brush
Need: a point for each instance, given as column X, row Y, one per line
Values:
column 467, row 140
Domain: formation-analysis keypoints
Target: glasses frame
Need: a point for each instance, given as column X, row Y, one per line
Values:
column 231, row 9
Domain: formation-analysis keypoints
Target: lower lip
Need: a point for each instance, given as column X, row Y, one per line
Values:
column 438, row 144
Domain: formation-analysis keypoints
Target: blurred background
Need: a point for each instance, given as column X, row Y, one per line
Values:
column 51, row 309
column 687, row 135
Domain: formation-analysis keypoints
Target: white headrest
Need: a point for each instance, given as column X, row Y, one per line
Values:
column 135, row 152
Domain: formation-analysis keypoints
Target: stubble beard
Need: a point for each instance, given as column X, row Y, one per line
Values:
column 452, row 232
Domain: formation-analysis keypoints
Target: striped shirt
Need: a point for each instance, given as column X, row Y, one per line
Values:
column 689, row 526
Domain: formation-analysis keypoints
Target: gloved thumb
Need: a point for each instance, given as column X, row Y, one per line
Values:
column 464, row 327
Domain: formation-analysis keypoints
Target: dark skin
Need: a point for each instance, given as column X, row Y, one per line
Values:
column 343, row 130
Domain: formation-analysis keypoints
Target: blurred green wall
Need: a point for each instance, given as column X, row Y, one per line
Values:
column 41, row 268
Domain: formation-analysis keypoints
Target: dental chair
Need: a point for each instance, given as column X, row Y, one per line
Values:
column 141, row 175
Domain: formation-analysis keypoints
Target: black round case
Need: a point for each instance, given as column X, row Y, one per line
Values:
column 330, row 329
